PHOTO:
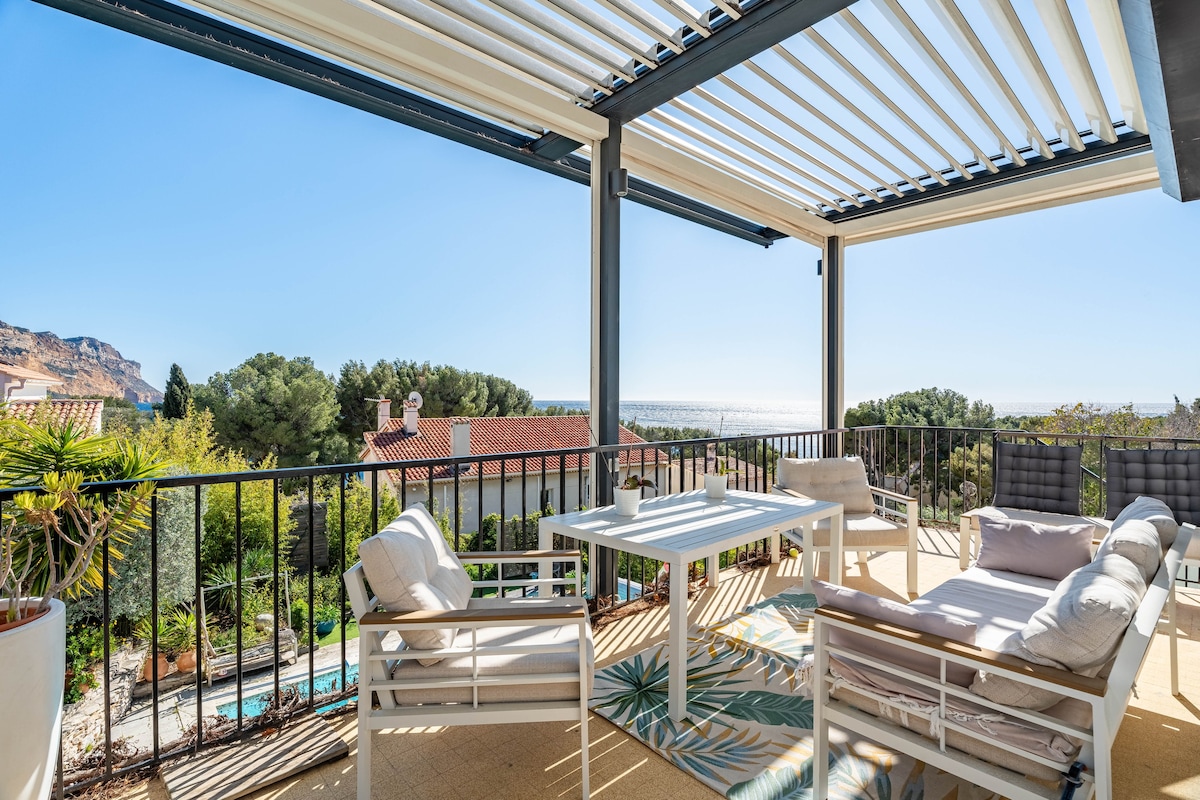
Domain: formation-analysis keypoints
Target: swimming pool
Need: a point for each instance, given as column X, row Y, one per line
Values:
column 326, row 682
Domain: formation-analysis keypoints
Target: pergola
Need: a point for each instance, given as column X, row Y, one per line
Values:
column 832, row 121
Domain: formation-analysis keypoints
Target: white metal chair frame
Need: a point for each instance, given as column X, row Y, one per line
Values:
column 909, row 516
column 377, row 660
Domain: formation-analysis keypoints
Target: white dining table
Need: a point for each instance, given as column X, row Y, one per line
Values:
column 681, row 528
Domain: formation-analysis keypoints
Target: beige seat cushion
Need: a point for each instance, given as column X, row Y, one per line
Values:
column 835, row 480
column 564, row 635
column 864, row 532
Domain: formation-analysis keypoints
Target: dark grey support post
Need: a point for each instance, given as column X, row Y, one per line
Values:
column 832, row 351
column 606, row 329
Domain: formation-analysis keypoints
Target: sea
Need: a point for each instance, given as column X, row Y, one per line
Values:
column 745, row 419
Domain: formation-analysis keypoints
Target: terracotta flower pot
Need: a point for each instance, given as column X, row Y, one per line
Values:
column 186, row 661
column 153, row 670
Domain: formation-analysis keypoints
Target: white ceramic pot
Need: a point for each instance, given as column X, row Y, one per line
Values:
column 715, row 486
column 627, row 501
column 33, row 662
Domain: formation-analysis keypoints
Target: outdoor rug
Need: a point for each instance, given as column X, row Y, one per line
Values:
column 748, row 734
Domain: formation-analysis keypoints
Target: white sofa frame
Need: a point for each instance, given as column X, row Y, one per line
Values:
column 378, row 658
column 1107, row 697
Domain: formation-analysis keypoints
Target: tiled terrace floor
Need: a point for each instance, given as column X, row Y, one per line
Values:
column 1157, row 753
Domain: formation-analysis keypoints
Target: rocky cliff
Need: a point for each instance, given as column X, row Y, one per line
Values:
column 86, row 365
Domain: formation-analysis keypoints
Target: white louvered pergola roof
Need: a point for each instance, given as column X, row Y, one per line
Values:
column 810, row 118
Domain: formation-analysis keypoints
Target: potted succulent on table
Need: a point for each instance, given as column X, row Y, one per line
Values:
column 627, row 495
column 49, row 538
column 716, row 483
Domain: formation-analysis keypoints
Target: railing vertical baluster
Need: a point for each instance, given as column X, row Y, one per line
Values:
column 106, row 618
column 275, row 488
column 201, row 622
column 237, row 589
column 312, row 600
column 342, row 567
column 154, row 616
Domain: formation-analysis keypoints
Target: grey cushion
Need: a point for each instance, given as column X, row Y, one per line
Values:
column 1038, row 477
column 1079, row 629
column 1138, row 541
column 934, row 622
column 1172, row 476
column 835, row 480
column 1032, row 548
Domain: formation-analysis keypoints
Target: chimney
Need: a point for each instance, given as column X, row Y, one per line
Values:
column 460, row 437
column 384, row 414
column 410, row 418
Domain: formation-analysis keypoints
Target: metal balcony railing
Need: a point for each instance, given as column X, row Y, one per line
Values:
column 286, row 582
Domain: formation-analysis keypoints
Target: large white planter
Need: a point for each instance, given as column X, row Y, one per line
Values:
column 32, row 664
column 626, row 501
column 715, row 486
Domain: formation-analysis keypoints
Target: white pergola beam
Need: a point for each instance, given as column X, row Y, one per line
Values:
column 1110, row 31
column 1104, row 179
column 710, row 185
column 1060, row 25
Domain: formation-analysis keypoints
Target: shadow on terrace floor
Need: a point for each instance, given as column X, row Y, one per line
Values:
column 1156, row 754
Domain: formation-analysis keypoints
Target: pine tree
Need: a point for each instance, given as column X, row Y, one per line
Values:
column 177, row 396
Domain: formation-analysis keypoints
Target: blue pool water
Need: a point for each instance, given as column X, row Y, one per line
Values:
column 325, row 683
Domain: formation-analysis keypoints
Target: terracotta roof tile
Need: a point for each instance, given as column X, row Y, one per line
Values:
column 84, row 413
column 494, row 435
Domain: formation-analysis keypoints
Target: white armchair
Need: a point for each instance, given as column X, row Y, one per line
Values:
column 461, row 660
column 875, row 519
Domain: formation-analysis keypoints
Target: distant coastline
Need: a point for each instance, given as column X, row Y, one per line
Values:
column 740, row 419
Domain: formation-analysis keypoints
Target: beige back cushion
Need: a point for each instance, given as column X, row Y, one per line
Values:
column 837, row 480
column 411, row 568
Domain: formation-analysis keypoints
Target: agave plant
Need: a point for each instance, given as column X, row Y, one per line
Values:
column 50, row 536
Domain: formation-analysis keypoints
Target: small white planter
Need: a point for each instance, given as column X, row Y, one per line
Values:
column 33, row 661
column 627, row 501
column 715, row 486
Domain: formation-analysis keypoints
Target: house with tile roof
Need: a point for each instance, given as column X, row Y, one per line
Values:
column 25, row 395
column 507, row 486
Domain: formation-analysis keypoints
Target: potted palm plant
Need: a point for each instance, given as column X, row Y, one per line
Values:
column 50, row 534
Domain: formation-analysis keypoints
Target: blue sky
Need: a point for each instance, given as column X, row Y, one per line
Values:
column 186, row 212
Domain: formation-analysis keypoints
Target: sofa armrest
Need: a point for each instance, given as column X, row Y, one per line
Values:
column 890, row 495
column 777, row 489
column 978, row 657
column 514, row 613
column 517, row 555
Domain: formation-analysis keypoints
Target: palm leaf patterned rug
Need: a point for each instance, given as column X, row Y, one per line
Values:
column 748, row 733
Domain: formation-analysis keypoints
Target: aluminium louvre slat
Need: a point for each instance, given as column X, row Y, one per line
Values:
column 746, row 141
column 476, row 40
column 1020, row 47
column 646, row 22
column 732, row 152
column 836, row 152
column 301, row 31
column 853, row 109
column 733, row 171
column 603, row 28
column 774, row 136
column 856, row 76
column 684, row 13
column 730, row 9
column 972, row 48
column 908, row 29
column 521, row 39
column 1064, row 35
column 883, row 56
column 1110, row 31
column 553, row 28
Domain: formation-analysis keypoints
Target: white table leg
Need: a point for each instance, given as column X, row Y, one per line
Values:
column 677, row 637
column 545, row 568
column 836, row 523
column 775, row 545
column 713, row 571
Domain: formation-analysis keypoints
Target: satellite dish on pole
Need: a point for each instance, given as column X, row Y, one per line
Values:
column 415, row 399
